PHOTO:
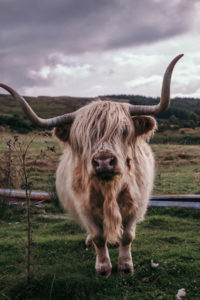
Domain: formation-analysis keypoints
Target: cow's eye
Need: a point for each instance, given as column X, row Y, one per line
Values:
column 128, row 162
column 125, row 133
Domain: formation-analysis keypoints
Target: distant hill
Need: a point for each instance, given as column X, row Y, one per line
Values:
column 181, row 110
column 47, row 106
column 51, row 106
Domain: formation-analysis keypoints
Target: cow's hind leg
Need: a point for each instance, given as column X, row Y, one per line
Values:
column 103, row 265
column 125, row 264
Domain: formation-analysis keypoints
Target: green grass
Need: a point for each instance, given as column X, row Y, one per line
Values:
column 177, row 169
column 63, row 269
column 177, row 180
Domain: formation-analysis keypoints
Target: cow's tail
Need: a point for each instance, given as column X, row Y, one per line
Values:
column 112, row 220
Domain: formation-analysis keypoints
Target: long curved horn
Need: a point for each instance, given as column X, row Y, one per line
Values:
column 165, row 95
column 66, row 118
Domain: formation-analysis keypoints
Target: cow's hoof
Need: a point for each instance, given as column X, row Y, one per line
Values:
column 104, row 271
column 125, row 269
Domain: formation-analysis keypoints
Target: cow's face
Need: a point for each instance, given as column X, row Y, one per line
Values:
column 103, row 136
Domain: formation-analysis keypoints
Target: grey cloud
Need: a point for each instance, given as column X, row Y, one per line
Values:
column 31, row 30
column 149, row 21
column 77, row 25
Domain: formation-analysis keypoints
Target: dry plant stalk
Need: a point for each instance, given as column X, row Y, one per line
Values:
column 14, row 173
column 22, row 150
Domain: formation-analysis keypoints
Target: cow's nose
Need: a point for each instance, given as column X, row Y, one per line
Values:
column 104, row 163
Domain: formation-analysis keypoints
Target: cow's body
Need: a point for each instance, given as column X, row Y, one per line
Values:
column 108, row 208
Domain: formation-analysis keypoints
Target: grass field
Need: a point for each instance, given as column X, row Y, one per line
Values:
column 177, row 169
column 63, row 269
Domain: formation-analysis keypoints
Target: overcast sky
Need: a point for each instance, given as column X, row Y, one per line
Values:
column 90, row 48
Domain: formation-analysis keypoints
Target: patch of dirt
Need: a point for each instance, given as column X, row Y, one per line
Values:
column 41, row 165
column 185, row 156
column 197, row 175
column 180, row 157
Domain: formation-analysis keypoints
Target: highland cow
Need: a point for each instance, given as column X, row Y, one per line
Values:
column 106, row 173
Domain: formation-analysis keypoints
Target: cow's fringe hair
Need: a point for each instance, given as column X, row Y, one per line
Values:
column 113, row 119
column 112, row 220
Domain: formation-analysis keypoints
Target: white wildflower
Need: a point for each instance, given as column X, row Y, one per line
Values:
column 181, row 293
column 153, row 264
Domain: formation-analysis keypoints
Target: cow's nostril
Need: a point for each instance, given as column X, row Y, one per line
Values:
column 112, row 161
column 95, row 162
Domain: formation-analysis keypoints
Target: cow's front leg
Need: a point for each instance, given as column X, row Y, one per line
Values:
column 103, row 265
column 125, row 264
column 88, row 241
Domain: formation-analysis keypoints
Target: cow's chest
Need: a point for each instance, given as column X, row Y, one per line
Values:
column 97, row 198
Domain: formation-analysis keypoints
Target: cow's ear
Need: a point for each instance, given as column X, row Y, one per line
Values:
column 144, row 125
column 62, row 132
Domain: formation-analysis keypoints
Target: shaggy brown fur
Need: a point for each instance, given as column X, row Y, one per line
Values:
column 108, row 209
